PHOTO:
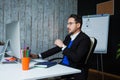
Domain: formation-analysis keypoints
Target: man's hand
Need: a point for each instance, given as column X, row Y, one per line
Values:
column 59, row 43
column 34, row 56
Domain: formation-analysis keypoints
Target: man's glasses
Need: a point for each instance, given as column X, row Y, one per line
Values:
column 70, row 23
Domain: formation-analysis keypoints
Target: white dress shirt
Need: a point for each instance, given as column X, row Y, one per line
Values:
column 72, row 38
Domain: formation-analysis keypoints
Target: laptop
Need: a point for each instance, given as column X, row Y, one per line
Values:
column 2, row 51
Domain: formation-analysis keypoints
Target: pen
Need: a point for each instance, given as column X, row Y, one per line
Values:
column 21, row 53
column 27, row 53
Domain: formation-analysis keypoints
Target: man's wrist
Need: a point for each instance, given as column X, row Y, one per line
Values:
column 39, row 56
column 63, row 47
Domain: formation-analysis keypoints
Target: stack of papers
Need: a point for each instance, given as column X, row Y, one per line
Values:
column 9, row 60
column 45, row 64
column 38, row 60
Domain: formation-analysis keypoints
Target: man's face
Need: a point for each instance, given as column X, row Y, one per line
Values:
column 72, row 26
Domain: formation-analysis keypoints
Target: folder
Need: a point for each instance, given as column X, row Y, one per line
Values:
column 45, row 64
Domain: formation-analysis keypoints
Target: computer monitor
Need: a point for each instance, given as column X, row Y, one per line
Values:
column 13, row 39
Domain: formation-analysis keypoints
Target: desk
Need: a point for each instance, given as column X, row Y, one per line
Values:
column 15, row 72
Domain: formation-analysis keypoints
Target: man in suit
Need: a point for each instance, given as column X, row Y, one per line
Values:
column 75, row 48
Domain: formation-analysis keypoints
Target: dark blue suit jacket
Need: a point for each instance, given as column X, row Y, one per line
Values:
column 76, row 54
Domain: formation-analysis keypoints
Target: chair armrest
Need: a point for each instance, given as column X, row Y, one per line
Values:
column 53, row 59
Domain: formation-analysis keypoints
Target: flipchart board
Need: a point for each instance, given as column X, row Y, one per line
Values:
column 97, row 26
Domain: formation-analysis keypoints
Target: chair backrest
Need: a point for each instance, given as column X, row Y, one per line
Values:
column 92, row 47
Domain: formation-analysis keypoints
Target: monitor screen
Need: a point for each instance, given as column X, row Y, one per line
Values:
column 13, row 39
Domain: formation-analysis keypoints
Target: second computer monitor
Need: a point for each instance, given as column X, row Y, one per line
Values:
column 13, row 39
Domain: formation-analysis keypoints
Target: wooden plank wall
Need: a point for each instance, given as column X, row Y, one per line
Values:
column 41, row 21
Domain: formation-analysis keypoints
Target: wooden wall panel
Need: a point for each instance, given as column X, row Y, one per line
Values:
column 67, row 9
column 1, row 21
column 40, row 26
column 45, row 25
column 28, row 22
column 61, row 20
column 51, row 25
column 22, row 21
column 14, row 5
column 34, row 25
column 41, row 21
column 7, row 11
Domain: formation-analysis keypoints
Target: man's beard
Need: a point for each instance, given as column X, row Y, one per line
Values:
column 70, row 33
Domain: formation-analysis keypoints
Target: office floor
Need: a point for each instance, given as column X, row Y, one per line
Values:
column 98, row 75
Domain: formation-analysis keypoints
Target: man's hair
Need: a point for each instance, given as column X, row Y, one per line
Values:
column 77, row 18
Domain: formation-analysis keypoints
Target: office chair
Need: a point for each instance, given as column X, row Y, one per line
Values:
column 92, row 48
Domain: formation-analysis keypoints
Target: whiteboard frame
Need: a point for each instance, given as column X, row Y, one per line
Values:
column 97, row 26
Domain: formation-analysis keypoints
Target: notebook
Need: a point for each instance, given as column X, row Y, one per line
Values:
column 45, row 64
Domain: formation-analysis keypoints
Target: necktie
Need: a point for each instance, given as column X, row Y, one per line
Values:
column 65, row 59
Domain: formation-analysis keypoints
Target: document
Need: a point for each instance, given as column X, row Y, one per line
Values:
column 9, row 60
